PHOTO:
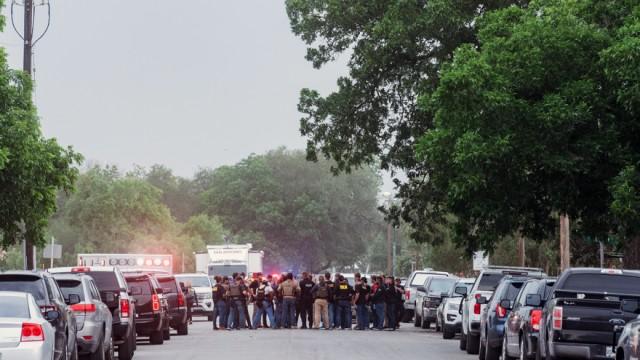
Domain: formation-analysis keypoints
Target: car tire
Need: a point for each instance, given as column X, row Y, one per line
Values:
column 74, row 352
column 448, row 332
column 156, row 337
column 407, row 316
column 425, row 324
column 183, row 329
column 463, row 342
column 99, row 353
column 438, row 328
column 482, row 352
column 492, row 353
column 473, row 344
column 417, row 321
column 166, row 334
column 125, row 350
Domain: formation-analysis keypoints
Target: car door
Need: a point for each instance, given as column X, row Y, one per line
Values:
column 103, row 315
column 517, row 315
column 59, row 323
column 67, row 315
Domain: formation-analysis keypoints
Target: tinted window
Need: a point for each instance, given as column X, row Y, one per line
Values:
column 489, row 281
column 169, row 284
column 512, row 290
column 196, row 281
column 14, row 306
column 31, row 284
column 420, row 278
column 530, row 288
column 603, row 283
column 438, row 286
column 106, row 281
column 71, row 287
column 142, row 282
column 547, row 289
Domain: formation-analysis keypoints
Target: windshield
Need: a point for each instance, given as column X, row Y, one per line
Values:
column 196, row 281
column 439, row 286
column 168, row 285
column 31, row 284
column 489, row 281
column 420, row 278
column 14, row 306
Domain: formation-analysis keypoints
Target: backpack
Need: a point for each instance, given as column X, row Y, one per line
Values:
column 260, row 294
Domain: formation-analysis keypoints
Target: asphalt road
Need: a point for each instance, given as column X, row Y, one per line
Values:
column 202, row 343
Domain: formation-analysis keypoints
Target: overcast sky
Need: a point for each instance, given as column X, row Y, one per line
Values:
column 188, row 84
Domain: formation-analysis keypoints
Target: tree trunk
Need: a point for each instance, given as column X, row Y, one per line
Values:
column 632, row 253
column 565, row 241
column 522, row 256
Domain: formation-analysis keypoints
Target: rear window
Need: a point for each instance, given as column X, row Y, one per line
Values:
column 620, row 284
column 438, row 286
column 512, row 291
column 71, row 287
column 105, row 280
column 196, row 281
column 31, row 284
column 14, row 306
column 168, row 284
column 420, row 278
column 142, row 282
column 489, row 281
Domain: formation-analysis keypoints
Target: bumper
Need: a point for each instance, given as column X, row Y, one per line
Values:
column 474, row 328
column 29, row 351
column 409, row 305
column 120, row 332
column 579, row 351
column 88, row 338
column 430, row 314
column 177, row 317
column 204, row 306
column 148, row 324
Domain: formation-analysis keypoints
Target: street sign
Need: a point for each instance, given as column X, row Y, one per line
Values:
column 52, row 251
column 480, row 260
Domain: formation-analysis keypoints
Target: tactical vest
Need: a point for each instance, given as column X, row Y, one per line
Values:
column 288, row 289
column 323, row 292
column 260, row 293
column 218, row 292
column 234, row 291
column 343, row 292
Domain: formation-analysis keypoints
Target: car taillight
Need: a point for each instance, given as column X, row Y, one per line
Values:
column 477, row 307
column 84, row 308
column 407, row 294
column 557, row 318
column 31, row 332
column 535, row 316
column 500, row 311
column 180, row 298
column 124, row 308
column 155, row 302
column 80, row 269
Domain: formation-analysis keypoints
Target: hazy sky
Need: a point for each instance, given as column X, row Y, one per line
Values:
column 188, row 84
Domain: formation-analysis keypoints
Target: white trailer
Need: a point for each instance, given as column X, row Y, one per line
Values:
column 232, row 258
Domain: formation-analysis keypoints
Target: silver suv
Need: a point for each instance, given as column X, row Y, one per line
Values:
column 93, row 317
column 417, row 278
column 484, row 286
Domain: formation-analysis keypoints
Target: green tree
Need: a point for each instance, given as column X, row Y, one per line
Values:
column 307, row 217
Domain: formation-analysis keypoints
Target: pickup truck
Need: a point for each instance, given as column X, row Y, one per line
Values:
column 587, row 304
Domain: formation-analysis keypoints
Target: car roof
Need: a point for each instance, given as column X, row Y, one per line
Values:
column 585, row 270
column 34, row 273
column 70, row 269
column 14, row 293
column 74, row 276
column 191, row 274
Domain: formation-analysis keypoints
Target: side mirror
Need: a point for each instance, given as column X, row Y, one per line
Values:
column 506, row 304
column 135, row 290
column 74, row 299
column 444, row 295
column 482, row 300
column 421, row 289
column 461, row 290
column 52, row 315
column 533, row 300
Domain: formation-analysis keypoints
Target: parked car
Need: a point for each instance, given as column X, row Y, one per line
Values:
column 628, row 345
column 523, row 324
column 52, row 305
column 93, row 318
column 417, row 278
column 494, row 316
column 176, row 299
column 201, row 284
column 152, row 317
column 485, row 284
column 112, row 287
column 25, row 334
column 448, row 317
column 429, row 297
column 586, row 305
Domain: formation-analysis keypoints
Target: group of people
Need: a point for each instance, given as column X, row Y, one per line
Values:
column 317, row 302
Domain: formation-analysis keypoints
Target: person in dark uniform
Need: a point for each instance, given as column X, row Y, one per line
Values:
column 219, row 304
column 391, row 299
column 362, row 291
column 306, row 300
column 237, row 296
column 331, row 285
column 247, row 300
column 377, row 301
column 400, row 309
column 343, row 297
column 190, row 297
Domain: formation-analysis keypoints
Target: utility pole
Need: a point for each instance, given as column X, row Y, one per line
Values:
column 521, row 250
column 27, row 36
column 565, row 242
column 389, row 250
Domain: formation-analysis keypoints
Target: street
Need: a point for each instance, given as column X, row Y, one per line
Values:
column 203, row 344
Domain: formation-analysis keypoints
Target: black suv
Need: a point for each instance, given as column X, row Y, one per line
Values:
column 114, row 293
column 51, row 302
column 152, row 317
column 172, row 291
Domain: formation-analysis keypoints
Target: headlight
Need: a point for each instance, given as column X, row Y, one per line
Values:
column 453, row 307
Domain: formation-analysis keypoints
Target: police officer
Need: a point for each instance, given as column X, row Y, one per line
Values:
column 321, row 294
column 306, row 300
column 391, row 299
column 275, row 283
column 290, row 291
column 362, row 291
column 377, row 301
column 237, row 296
column 343, row 297
column 332, row 307
column 400, row 309
column 219, row 311
column 263, row 304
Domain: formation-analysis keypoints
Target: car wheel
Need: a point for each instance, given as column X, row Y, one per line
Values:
column 166, row 334
column 125, row 350
column 482, row 352
column 463, row 342
column 183, row 329
column 156, row 338
column 109, row 353
column 407, row 316
column 425, row 324
column 547, row 353
column 99, row 353
column 417, row 321
column 473, row 344
column 448, row 332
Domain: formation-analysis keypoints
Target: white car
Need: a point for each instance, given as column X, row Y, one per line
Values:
column 417, row 278
column 201, row 284
column 24, row 333
column 449, row 319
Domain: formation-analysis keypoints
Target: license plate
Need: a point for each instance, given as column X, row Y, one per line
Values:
column 611, row 352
